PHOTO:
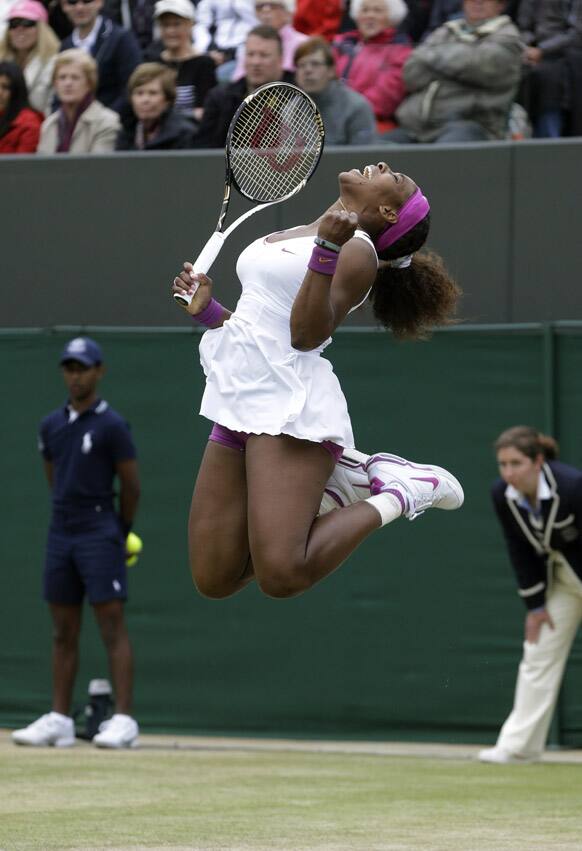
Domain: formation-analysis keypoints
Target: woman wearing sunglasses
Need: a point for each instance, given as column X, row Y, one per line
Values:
column 32, row 45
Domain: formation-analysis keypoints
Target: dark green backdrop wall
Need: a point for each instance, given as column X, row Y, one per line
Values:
column 417, row 636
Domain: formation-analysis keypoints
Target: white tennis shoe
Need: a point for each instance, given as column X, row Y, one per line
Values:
column 499, row 756
column 348, row 483
column 50, row 730
column 120, row 731
column 422, row 486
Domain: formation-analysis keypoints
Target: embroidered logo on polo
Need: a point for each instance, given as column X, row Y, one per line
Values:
column 87, row 444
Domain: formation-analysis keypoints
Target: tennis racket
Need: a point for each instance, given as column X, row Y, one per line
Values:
column 273, row 146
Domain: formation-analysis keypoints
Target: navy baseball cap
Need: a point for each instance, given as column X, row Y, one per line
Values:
column 82, row 349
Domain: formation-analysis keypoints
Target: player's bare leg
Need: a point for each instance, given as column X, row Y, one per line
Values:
column 217, row 528
column 292, row 548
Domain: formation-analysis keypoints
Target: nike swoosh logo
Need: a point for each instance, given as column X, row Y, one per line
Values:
column 324, row 260
column 432, row 479
column 286, row 250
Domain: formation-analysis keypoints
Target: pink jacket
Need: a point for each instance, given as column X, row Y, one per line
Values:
column 374, row 67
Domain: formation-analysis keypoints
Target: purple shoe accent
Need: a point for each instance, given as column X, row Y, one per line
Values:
column 351, row 464
column 399, row 497
column 377, row 486
column 395, row 459
column 432, row 479
column 335, row 497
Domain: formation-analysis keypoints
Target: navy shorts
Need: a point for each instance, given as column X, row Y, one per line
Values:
column 80, row 563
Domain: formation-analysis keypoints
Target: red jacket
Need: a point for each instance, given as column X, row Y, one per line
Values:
column 23, row 134
column 318, row 18
column 374, row 67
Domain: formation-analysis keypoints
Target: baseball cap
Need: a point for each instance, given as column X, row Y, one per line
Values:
column 182, row 8
column 82, row 349
column 30, row 10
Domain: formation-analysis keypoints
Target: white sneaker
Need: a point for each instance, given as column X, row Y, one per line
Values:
column 422, row 486
column 500, row 756
column 52, row 729
column 348, row 483
column 120, row 731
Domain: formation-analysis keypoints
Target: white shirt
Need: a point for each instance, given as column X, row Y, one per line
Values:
column 543, row 492
column 87, row 43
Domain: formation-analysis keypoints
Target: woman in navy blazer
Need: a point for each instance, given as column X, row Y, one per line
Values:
column 538, row 501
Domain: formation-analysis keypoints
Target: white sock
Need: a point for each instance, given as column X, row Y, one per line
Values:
column 387, row 505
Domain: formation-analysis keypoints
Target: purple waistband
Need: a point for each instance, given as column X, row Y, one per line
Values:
column 238, row 439
column 410, row 214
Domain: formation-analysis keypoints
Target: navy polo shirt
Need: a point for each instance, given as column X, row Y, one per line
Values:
column 84, row 449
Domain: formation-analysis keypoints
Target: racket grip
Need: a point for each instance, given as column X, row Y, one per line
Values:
column 203, row 263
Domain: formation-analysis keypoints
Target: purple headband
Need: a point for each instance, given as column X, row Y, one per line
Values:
column 410, row 214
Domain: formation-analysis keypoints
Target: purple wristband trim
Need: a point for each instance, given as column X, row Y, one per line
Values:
column 211, row 315
column 322, row 260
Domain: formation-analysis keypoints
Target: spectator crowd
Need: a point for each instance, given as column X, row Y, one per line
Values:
column 94, row 76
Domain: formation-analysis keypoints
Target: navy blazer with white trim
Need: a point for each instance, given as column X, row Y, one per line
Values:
column 531, row 540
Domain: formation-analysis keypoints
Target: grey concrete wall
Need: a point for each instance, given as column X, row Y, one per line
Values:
column 97, row 240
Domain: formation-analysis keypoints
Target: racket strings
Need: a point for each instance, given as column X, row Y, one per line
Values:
column 275, row 144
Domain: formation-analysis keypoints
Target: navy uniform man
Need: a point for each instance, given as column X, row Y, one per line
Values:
column 86, row 445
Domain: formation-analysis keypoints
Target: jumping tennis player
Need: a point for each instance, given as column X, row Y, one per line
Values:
column 280, row 418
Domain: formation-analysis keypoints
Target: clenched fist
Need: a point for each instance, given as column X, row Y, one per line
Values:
column 338, row 226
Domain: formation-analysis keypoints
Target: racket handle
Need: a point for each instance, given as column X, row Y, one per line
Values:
column 203, row 263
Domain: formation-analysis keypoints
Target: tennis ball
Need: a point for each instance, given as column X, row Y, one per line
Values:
column 133, row 547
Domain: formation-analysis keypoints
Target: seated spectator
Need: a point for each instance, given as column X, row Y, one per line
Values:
column 277, row 14
column 30, row 42
column 19, row 124
column 134, row 15
column 81, row 125
column 195, row 74
column 154, row 123
column 549, row 30
column 442, row 11
column 263, row 64
column 370, row 59
column 347, row 115
column 221, row 28
column 321, row 18
column 114, row 49
column 462, row 79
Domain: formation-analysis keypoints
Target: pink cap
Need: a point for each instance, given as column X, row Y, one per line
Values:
column 32, row 10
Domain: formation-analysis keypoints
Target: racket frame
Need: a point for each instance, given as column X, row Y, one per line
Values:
column 212, row 248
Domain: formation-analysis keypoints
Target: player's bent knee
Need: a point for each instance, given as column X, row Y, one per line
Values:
column 211, row 584
column 282, row 581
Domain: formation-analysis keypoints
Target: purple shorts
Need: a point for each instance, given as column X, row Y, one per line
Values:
column 238, row 440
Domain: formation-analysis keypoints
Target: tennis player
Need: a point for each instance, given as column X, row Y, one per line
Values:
column 281, row 422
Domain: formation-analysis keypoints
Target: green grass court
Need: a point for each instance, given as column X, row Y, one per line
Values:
column 237, row 795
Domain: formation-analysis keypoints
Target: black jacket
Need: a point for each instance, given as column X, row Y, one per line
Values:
column 219, row 107
column 117, row 53
column 531, row 541
column 176, row 133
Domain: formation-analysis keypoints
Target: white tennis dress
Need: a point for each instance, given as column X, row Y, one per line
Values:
column 255, row 380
